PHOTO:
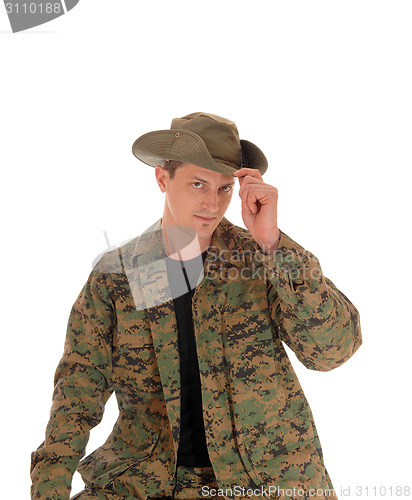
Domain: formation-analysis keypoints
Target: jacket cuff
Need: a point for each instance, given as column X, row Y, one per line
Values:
column 52, row 477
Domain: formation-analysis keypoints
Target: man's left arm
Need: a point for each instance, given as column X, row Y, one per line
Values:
column 315, row 319
column 312, row 316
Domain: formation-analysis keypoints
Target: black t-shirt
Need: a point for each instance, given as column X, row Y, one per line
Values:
column 183, row 276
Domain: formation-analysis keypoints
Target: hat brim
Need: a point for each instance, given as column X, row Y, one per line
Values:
column 183, row 145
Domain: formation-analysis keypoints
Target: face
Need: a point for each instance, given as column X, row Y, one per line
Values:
column 196, row 197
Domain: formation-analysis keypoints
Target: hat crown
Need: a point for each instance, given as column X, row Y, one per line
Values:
column 220, row 135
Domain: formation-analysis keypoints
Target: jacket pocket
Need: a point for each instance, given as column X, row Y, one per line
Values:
column 107, row 462
column 278, row 439
column 247, row 326
column 265, row 454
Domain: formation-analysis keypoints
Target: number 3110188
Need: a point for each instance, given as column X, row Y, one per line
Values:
column 34, row 8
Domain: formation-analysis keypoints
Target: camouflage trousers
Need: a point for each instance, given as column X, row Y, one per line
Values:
column 200, row 483
column 188, row 485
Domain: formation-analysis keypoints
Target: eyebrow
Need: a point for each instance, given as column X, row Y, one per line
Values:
column 206, row 182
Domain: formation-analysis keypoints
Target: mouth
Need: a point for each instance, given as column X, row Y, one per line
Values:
column 205, row 219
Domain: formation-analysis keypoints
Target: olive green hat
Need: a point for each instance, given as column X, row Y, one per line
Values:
column 203, row 139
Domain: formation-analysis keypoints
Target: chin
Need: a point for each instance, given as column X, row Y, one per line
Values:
column 205, row 231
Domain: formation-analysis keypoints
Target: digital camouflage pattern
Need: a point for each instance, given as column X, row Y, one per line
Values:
column 259, row 426
column 191, row 482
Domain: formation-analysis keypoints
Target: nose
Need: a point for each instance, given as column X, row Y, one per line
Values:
column 210, row 202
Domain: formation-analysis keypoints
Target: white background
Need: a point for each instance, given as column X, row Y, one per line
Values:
column 322, row 87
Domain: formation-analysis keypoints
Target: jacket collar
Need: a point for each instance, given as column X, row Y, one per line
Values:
column 226, row 248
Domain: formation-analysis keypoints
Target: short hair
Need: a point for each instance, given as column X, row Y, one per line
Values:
column 171, row 166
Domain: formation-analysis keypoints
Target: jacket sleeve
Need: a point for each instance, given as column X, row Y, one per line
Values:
column 82, row 385
column 315, row 319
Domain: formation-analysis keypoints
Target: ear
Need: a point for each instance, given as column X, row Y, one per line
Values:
column 162, row 177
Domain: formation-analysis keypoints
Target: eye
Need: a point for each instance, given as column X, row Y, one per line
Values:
column 196, row 182
column 228, row 188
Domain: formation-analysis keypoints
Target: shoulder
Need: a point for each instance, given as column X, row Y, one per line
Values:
column 239, row 236
column 115, row 259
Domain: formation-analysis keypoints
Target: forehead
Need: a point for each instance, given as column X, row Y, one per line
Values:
column 189, row 170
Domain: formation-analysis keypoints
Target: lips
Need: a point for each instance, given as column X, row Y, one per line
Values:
column 205, row 219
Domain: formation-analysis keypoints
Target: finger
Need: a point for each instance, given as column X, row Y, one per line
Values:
column 253, row 184
column 247, row 181
column 245, row 207
column 242, row 172
column 254, row 200
column 247, row 171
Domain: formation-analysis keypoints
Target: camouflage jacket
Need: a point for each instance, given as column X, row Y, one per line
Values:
column 122, row 337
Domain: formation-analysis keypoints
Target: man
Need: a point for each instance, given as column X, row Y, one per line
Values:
column 185, row 324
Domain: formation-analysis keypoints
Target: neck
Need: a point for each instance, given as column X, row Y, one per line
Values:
column 183, row 246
